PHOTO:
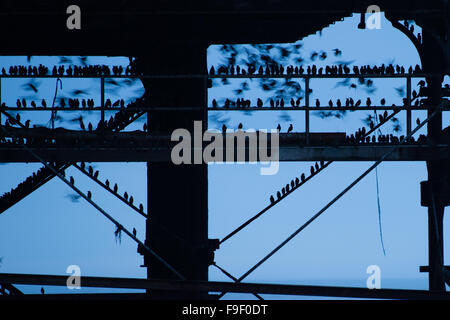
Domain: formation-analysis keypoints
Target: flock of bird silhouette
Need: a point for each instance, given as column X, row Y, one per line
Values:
column 71, row 70
column 118, row 120
column 95, row 175
column 74, row 103
column 341, row 69
column 25, row 187
column 295, row 183
column 266, row 70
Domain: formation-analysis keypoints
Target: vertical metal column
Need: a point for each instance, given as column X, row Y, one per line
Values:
column 433, row 63
column 408, row 105
column 102, row 90
column 307, row 109
column 436, row 171
column 177, row 194
column 0, row 99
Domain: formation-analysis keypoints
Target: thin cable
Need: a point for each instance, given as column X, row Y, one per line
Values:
column 379, row 212
column 348, row 188
column 380, row 228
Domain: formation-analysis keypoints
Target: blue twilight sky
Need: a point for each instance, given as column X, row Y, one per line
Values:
column 47, row 232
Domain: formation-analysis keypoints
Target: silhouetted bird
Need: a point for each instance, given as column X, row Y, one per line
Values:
column 418, row 121
column 358, row 103
column 42, row 291
column 224, row 128
column 317, row 166
column 240, row 126
column 303, row 177
column 421, row 83
column 259, row 103
column 131, row 200
column 214, row 103
column 385, row 114
column 18, row 104
column 82, row 165
column 290, row 128
column 33, row 104
column 338, row 103
column 90, row 170
column 141, row 207
column 90, row 126
column 330, row 103
column 89, row 195
column 383, row 102
column 272, row 200
column 72, row 180
column 368, row 102
column 107, row 183
column 297, row 181
column 125, row 195
column 44, row 104
column 82, row 124
column 317, row 103
column 96, row 174
column 116, row 188
column 279, row 128
column 134, row 232
column 278, row 195
column 283, row 191
column 24, row 103
column 312, row 170
column 27, row 124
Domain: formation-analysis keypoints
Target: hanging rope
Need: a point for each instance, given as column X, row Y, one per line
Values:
column 380, row 228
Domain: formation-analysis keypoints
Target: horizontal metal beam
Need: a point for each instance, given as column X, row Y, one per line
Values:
column 253, row 108
column 216, row 286
column 225, row 76
column 17, row 154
